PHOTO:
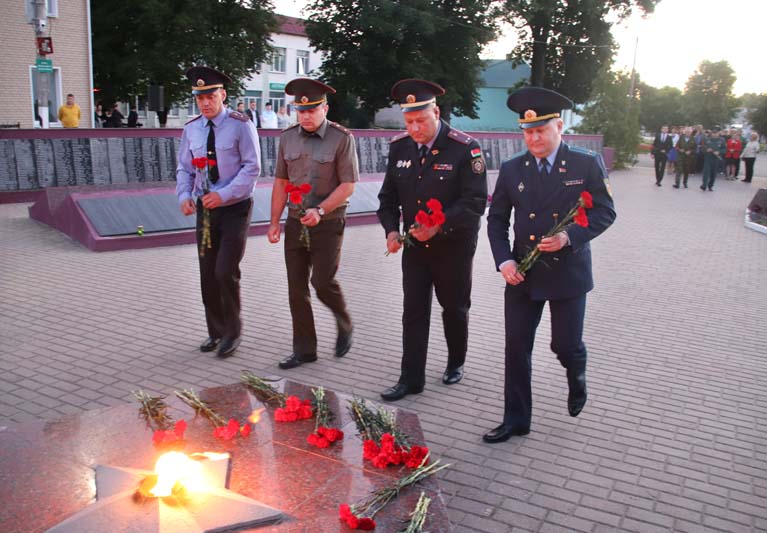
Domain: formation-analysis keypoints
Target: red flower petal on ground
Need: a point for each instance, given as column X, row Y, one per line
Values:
column 245, row 430
column 333, row 434
column 422, row 218
column 180, row 428
column 581, row 219
column 366, row 524
column 588, row 201
column 434, row 205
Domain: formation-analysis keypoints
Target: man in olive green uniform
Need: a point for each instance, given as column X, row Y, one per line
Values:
column 686, row 149
column 713, row 152
column 321, row 154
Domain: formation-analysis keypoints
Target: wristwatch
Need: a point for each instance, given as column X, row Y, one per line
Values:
column 321, row 211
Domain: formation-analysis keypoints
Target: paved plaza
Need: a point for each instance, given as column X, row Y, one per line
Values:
column 673, row 435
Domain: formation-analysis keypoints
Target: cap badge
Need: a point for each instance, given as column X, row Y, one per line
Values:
column 304, row 99
column 200, row 82
column 530, row 114
column 410, row 98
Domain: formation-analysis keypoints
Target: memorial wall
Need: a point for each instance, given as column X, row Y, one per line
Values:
column 36, row 159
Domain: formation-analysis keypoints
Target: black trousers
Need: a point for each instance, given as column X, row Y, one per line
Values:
column 449, row 272
column 749, row 161
column 319, row 264
column 660, row 167
column 522, row 318
column 220, row 266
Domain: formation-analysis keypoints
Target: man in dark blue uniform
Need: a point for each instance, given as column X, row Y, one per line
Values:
column 540, row 186
column 230, row 139
column 432, row 161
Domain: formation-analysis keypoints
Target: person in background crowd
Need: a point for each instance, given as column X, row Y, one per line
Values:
column 133, row 118
column 714, row 153
column 253, row 114
column 69, row 113
column 98, row 117
column 672, row 154
column 661, row 146
column 732, row 155
column 269, row 117
column 115, row 118
column 749, row 156
column 283, row 120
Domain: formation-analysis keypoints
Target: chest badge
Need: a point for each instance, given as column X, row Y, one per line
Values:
column 434, row 152
column 521, row 187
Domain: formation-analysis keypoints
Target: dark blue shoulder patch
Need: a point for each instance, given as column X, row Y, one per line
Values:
column 193, row 119
column 582, row 151
column 461, row 137
column 403, row 135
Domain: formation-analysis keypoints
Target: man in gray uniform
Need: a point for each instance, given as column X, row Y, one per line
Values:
column 321, row 154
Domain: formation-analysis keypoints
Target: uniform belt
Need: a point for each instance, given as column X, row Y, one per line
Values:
column 333, row 215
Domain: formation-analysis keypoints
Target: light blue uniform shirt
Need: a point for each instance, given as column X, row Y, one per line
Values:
column 238, row 158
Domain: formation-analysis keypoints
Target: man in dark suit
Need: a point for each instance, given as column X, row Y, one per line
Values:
column 540, row 186
column 660, row 148
column 432, row 161
column 253, row 114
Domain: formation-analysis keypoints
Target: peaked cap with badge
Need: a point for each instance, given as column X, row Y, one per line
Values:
column 308, row 93
column 413, row 94
column 206, row 80
column 536, row 105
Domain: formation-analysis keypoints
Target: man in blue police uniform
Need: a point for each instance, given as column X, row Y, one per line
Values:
column 230, row 139
column 432, row 161
column 539, row 186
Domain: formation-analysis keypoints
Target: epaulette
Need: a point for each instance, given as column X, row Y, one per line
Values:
column 519, row 154
column 403, row 135
column 583, row 151
column 337, row 126
column 193, row 119
column 297, row 124
column 239, row 116
column 461, row 137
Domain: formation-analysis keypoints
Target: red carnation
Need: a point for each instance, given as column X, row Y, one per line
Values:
column 304, row 188
column 437, row 218
column 434, row 205
column 370, row 449
column 366, row 524
column 588, row 201
column 245, row 430
column 180, row 428
column 581, row 219
column 295, row 197
column 199, row 162
column 422, row 218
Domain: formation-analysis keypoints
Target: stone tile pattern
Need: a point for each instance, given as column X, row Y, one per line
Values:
column 673, row 436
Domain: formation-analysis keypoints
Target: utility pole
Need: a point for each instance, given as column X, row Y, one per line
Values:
column 40, row 23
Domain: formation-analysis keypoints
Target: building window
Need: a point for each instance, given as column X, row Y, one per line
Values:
column 277, row 99
column 52, row 8
column 191, row 108
column 53, row 81
column 252, row 96
column 174, row 110
column 302, row 62
column 278, row 60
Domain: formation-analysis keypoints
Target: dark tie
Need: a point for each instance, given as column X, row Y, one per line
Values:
column 212, row 170
column 422, row 154
column 544, row 168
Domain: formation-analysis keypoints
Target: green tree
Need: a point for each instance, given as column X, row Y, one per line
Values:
column 370, row 44
column 142, row 42
column 613, row 113
column 757, row 115
column 708, row 98
column 660, row 107
column 567, row 44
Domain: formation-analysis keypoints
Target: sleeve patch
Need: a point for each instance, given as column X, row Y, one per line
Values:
column 478, row 165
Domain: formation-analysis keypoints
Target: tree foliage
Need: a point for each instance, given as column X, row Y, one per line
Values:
column 708, row 98
column 757, row 115
column 567, row 44
column 613, row 113
column 660, row 107
column 371, row 44
column 141, row 42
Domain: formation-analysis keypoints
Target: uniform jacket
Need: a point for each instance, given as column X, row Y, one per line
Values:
column 454, row 173
column 238, row 157
column 686, row 143
column 536, row 206
column 661, row 148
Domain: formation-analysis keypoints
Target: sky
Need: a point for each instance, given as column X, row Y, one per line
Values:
column 672, row 41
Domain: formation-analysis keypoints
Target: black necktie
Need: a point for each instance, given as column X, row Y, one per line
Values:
column 212, row 170
column 422, row 154
column 544, row 168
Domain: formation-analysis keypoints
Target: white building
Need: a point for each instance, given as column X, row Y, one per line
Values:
column 292, row 58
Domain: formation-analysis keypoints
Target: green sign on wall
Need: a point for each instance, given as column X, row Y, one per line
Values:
column 44, row 65
column 276, row 86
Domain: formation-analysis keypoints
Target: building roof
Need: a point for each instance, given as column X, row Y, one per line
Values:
column 500, row 73
column 291, row 25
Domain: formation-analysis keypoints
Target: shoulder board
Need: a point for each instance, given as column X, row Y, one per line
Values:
column 337, row 126
column 297, row 124
column 403, row 135
column 582, row 151
column 461, row 137
column 193, row 119
column 239, row 116
column 518, row 155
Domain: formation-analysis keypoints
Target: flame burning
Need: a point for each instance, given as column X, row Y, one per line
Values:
column 255, row 416
column 174, row 468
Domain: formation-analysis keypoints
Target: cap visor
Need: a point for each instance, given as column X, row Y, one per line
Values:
column 528, row 125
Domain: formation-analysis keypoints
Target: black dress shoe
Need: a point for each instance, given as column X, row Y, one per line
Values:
column 451, row 377
column 503, row 433
column 227, row 347
column 675, row 186
column 209, row 344
column 399, row 391
column 343, row 344
column 576, row 398
column 295, row 360
column 702, row 187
